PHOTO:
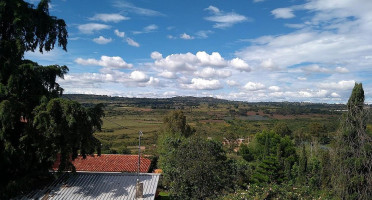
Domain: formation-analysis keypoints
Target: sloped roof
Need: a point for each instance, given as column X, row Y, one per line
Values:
column 85, row 185
column 109, row 163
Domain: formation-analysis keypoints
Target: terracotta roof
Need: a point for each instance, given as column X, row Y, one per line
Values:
column 109, row 163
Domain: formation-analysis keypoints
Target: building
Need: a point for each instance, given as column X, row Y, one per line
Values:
column 108, row 163
column 86, row 185
column 101, row 177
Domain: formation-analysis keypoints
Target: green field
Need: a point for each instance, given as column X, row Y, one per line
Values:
column 213, row 118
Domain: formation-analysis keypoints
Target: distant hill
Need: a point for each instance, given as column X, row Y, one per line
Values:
column 181, row 102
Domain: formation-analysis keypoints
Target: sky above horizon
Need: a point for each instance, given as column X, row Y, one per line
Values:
column 246, row 50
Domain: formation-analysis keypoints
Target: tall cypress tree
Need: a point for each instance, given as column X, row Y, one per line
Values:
column 353, row 177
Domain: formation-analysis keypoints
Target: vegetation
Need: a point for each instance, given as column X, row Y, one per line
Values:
column 36, row 125
column 207, row 148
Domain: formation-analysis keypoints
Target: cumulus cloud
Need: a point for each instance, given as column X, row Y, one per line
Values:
column 133, row 43
column 156, row 55
column 119, row 34
column 189, row 61
column 240, row 65
column 222, row 19
column 232, row 83
column 284, row 13
column 90, row 28
column 269, row 64
column 315, row 69
column 105, row 61
column 102, row 40
column 213, row 73
column 203, row 84
column 340, row 85
column 167, row 74
column 274, row 88
column 139, row 76
column 186, row 36
column 109, row 17
column 251, row 86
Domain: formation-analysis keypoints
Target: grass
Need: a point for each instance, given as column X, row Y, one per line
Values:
column 123, row 121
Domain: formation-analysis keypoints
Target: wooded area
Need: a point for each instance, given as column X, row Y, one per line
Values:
column 207, row 148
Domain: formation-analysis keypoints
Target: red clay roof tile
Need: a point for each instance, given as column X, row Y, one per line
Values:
column 109, row 163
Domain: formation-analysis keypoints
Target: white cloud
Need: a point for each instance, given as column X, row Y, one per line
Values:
column 315, row 69
column 240, row 65
column 128, row 7
column 139, row 76
column 147, row 29
column 131, row 42
column 335, row 95
column 341, row 85
column 150, row 28
column 302, row 78
column 222, row 19
column 105, row 61
column 269, row 64
column 102, row 40
column 167, row 74
column 251, row 86
column 109, row 17
column 215, row 59
column 156, row 55
column 274, row 88
column 189, row 62
column 186, row 36
column 213, row 9
column 92, row 27
column 202, row 84
column 341, row 70
column 284, row 13
column 213, row 73
column 232, row 83
column 203, row 34
column 119, row 34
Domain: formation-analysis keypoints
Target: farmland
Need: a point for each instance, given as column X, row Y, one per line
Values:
column 212, row 118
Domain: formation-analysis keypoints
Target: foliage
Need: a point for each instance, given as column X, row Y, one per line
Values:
column 353, row 153
column 34, row 124
column 175, row 122
column 276, row 191
column 282, row 129
column 200, row 169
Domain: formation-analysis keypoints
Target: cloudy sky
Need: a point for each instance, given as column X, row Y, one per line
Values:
column 250, row 50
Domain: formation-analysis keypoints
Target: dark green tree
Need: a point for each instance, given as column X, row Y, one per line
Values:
column 175, row 122
column 199, row 170
column 353, row 152
column 282, row 129
column 34, row 125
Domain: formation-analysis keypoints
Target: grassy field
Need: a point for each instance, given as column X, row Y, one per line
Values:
column 212, row 118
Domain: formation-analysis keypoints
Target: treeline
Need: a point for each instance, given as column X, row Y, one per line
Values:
column 274, row 165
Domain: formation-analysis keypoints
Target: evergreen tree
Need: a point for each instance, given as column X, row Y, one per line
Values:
column 353, row 175
column 34, row 124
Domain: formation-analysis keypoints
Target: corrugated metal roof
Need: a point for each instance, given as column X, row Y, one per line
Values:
column 108, row 163
column 83, row 185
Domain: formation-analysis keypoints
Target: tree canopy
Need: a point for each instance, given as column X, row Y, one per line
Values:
column 353, row 177
column 35, row 124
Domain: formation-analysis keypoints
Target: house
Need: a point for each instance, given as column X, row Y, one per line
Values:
column 108, row 163
column 85, row 185
column 102, row 177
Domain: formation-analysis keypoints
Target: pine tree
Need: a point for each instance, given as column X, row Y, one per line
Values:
column 353, row 152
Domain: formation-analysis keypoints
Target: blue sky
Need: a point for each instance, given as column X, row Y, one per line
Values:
column 249, row 50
